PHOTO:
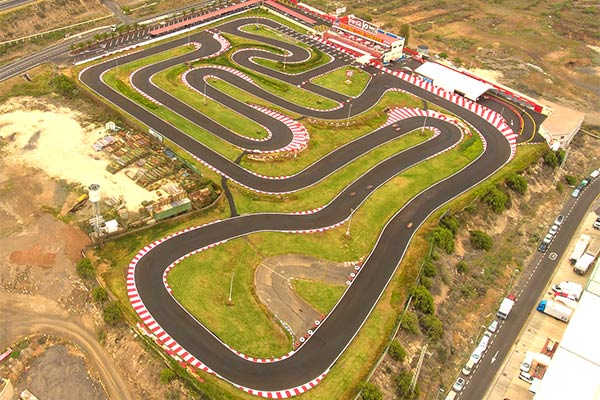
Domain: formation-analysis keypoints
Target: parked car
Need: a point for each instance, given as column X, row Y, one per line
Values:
column 493, row 326
column 459, row 384
column 596, row 225
column 576, row 192
column 548, row 238
column 553, row 230
column 485, row 340
column 468, row 368
column 559, row 220
column 595, row 173
column 526, row 364
column 543, row 247
column 526, row 377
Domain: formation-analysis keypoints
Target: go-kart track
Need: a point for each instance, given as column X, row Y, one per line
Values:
column 307, row 365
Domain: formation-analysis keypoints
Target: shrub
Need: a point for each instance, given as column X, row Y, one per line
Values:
column 480, row 240
column 516, row 183
column 444, row 239
column 450, row 222
column 167, row 375
column 370, row 392
column 397, row 351
column 410, row 322
column 402, row 382
column 496, row 199
column 429, row 269
column 99, row 294
column 112, row 313
column 560, row 187
column 571, row 180
column 462, row 267
column 422, row 299
column 64, row 86
column 425, row 281
column 85, row 269
column 550, row 159
column 434, row 329
column 560, row 155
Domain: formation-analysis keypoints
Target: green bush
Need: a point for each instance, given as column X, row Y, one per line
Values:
column 462, row 267
column 571, row 180
column 444, row 239
column 560, row 187
column 99, row 294
column 480, row 240
column 516, row 183
column 496, row 199
column 425, row 281
column 422, row 299
column 429, row 269
column 370, row 392
column 450, row 222
column 397, row 351
column 85, row 269
column 433, row 327
column 112, row 313
column 167, row 375
column 550, row 159
column 64, row 86
column 410, row 322
column 402, row 382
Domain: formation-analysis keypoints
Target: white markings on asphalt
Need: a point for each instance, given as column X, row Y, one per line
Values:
column 495, row 357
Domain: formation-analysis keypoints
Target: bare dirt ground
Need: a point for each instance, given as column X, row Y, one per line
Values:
column 58, row 141
column 272, row 283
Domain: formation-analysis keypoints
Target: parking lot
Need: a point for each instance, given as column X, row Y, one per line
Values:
column 541, row 329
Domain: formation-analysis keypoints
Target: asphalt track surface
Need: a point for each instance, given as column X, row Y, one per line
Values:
column 335, row 333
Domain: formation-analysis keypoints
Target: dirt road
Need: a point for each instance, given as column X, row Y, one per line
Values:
column 22, row 315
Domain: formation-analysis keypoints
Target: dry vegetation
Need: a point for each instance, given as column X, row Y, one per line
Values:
column 543, row 48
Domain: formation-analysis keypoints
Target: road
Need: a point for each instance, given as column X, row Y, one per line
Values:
column 22, row 315
column 542, row 267
column 316, row 356
column 6, row 5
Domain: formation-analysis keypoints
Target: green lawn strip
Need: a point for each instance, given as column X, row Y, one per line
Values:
column 336, row 80
column 201, row 284
column 170, row 81
column 321, row 295
column 294, row 94
column 214, row 142
column 209, row 272
column 324, row 191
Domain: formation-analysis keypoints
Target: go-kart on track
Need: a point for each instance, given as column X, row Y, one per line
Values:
column 303, row 368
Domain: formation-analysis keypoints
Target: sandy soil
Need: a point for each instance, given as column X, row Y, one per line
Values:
column 53, row 139
column 46, row 376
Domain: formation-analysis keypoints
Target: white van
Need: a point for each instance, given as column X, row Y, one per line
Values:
column 451, row 395
column 526, row 364
column 468, row 368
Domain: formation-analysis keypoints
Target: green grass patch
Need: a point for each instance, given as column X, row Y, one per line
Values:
column 170, row 81
column 243, row 324
column 321, row 295
column 337, row 80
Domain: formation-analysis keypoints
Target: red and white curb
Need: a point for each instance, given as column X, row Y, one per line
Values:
column 307, row 212
column 300, row 136
column 489, row 115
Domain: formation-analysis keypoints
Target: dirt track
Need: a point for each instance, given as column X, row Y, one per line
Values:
column 22, row 315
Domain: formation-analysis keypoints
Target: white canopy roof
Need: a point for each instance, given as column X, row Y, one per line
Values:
column 452, row 80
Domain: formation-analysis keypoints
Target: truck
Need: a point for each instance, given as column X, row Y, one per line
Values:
column 580, row 247
column 555, row 309
column 584, row 262
column 505, row 307
column 569, row 289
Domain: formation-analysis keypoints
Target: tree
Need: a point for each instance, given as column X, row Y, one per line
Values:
column 516, row 183
column 429, row 269
column 450, row 222
column 434, row 329
column 462, row 267
column 410, row 322
column 422, row 299
column 396, row 351
column 571, row 180
column 496, row 199
column 64, row 86
column 480, row 240
column 112, row 313
column 167, row 375
column 402, row 381
column 405, row 33
column 550, row 159
column 85, row 269
column 99, row 294
column 444, row 239
column 371, row 392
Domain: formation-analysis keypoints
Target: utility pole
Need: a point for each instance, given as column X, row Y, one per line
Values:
column 424, row 122
column 349, row 222
column 229, row 301
column 205, row 90
column 349, row 111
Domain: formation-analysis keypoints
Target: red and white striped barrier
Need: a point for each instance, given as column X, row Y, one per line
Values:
column 300, row 135
column 489, row 115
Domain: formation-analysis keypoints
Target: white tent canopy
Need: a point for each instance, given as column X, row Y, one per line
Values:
column 453, row 81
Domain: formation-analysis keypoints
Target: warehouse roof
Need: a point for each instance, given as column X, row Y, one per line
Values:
column 452, row 80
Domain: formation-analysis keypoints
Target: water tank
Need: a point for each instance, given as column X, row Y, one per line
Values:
column 94, row 193
column 423, row 50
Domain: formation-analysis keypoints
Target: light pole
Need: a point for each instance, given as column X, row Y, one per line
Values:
column 229, row 301
column 204, row 90
column 349, row 222
column 284, row 60
column 424, row 122
column 349, row 111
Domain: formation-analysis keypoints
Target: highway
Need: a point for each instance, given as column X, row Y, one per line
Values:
column 541, row 268
column 316, row 356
